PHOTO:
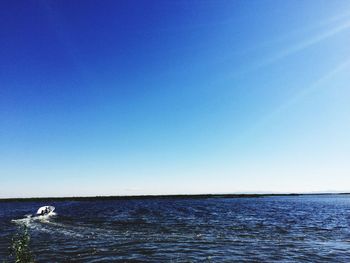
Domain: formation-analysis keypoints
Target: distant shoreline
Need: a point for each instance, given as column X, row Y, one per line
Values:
column 179, row 196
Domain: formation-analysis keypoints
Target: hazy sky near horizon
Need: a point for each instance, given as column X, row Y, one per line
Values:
column 165, row 97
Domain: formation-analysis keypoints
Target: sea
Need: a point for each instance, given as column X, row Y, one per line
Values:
column 305, row 228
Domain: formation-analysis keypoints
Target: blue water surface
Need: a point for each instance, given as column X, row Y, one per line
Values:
column 264, row 229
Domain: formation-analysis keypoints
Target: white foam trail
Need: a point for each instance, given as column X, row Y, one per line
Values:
column 42, row 223
column 30, row 218
column 23, row 221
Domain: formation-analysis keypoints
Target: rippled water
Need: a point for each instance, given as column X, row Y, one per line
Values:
column 266, row 229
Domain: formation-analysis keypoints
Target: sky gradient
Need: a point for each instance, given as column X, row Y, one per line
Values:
column 172, row 97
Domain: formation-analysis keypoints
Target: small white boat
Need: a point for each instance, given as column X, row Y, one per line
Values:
column 45, row 210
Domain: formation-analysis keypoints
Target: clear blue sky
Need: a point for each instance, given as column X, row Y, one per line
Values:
column 165, row 97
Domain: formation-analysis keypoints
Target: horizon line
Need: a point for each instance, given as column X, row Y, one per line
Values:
column 149, row 196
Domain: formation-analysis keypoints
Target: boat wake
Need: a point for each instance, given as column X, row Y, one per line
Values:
column 49, row 223
column 29, row 219
column 44, row 223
